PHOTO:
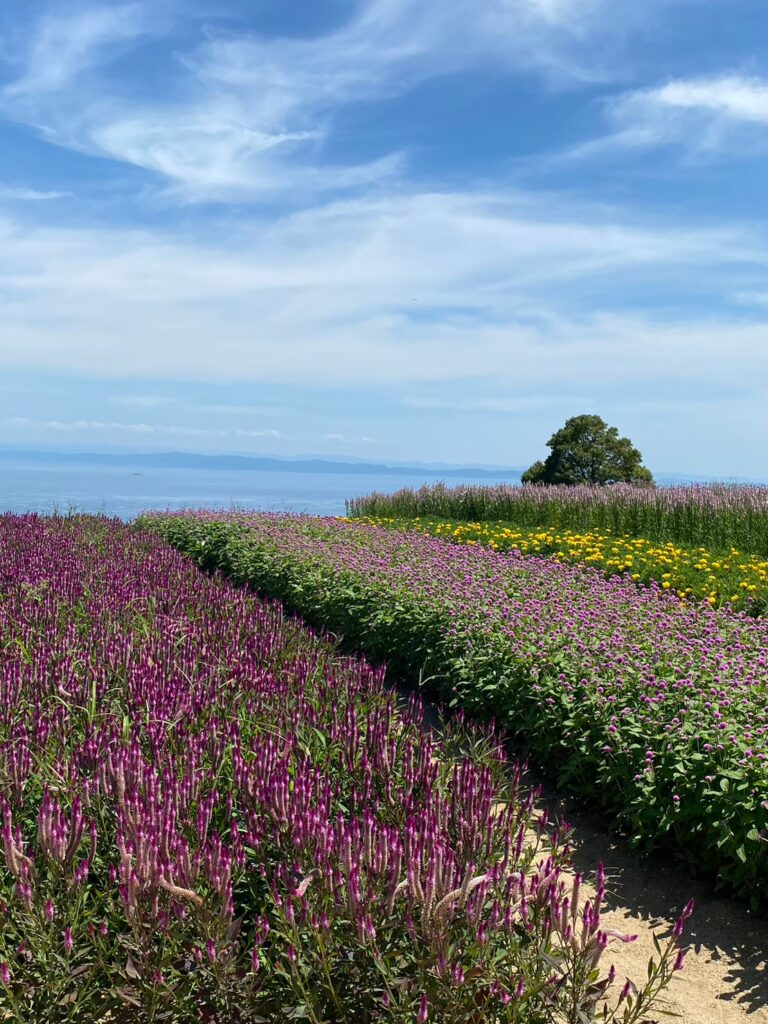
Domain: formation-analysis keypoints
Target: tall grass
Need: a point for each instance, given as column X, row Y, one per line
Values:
column 716, row 516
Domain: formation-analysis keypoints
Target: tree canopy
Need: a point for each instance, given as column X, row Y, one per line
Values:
column 587, row 451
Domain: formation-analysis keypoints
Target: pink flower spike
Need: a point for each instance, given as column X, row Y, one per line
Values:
column 5, row 974
column 423, row 1010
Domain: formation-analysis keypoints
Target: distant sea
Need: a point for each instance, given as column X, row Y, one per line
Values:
column 125, row 492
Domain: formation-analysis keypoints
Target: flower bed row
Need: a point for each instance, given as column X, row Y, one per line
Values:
column 716, row 516
column 731, row 578
column 654, row 709
column 208, row 816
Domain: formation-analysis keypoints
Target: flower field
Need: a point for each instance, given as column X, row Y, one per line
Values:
column 730, row 578
column 717, row 517
column 655, row 709
column 209, row 816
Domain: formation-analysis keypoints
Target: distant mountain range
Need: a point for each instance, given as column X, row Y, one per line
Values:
column 309, row 464
column 342, row 464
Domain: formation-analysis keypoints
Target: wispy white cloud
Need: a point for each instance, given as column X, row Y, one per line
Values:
column 733, row 98
column 249, row 113
column 215, row 150
column 272, row 433
column 324, row 297
column 66, row 45
column 29, row 195
column 723, row 114
column 102, row 427
column 345, row 439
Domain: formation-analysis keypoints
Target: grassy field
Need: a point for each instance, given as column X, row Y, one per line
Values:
column 209, row 816
column 653, row 709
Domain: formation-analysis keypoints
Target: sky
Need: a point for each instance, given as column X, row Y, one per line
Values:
column 425, row 230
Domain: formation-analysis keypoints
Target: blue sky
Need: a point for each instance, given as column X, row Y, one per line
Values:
column 397, row 229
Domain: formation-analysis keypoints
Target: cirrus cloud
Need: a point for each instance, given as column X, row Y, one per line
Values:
column 716, row 116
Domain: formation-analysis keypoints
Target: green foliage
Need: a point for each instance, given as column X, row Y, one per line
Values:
column 587, row 451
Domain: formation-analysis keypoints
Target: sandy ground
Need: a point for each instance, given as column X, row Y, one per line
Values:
column 725, row 979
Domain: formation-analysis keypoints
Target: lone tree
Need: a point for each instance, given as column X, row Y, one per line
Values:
column 587, row 451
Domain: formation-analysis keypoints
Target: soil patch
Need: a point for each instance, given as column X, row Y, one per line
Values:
column 725, row 978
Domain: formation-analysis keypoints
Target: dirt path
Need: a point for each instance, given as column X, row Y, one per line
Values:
column 725, row 979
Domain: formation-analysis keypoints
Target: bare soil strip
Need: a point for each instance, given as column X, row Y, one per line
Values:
column 725, row 978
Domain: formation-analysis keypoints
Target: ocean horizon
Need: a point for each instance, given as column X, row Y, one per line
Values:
column 125, row 492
